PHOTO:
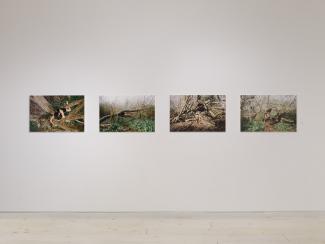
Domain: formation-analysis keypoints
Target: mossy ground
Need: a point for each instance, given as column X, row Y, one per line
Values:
column 123, row 124
column 258, row 125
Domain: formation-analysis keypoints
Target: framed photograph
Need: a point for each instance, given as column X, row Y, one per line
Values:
column 127, row 114
column 56, row 114
column 268, row 113
column 197, row 113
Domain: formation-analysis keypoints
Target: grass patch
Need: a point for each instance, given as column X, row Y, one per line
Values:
column 144, row 125
column 251, row 126
column 33, row 126
column 121, row 124
column 282, row 127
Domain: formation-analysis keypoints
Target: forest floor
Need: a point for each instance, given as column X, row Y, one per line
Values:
column 128, row 124
column 258, row 125
column 202, row 123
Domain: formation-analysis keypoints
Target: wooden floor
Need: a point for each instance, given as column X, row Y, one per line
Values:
column 167, row 228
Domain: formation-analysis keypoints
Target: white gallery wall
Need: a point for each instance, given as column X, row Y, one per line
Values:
column 162, row 47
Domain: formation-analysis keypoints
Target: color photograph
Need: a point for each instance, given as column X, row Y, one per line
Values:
column 197, row 113
column 127, row 114
column 268, row 113
column 56, row 114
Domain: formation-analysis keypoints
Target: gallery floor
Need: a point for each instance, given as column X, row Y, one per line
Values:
column 169, row 228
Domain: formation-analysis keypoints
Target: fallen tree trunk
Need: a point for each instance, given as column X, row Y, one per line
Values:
column 287, row 121
column 121, row 113
column 71, row 117
column 67, row 128
column 42, row 103
column 105, row 125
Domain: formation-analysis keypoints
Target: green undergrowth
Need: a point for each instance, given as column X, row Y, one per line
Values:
column 122, row 124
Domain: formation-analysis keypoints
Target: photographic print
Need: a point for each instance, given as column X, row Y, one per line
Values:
column 127, row 114
column 190, row 113
column 269, row 113
column 56, row 114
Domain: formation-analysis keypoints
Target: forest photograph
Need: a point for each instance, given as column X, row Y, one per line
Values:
column 269, row 113
column 56, row 113
column 127, row 114
column 197, row 113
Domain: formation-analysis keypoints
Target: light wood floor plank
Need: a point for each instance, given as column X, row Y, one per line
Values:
column 162, row 228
